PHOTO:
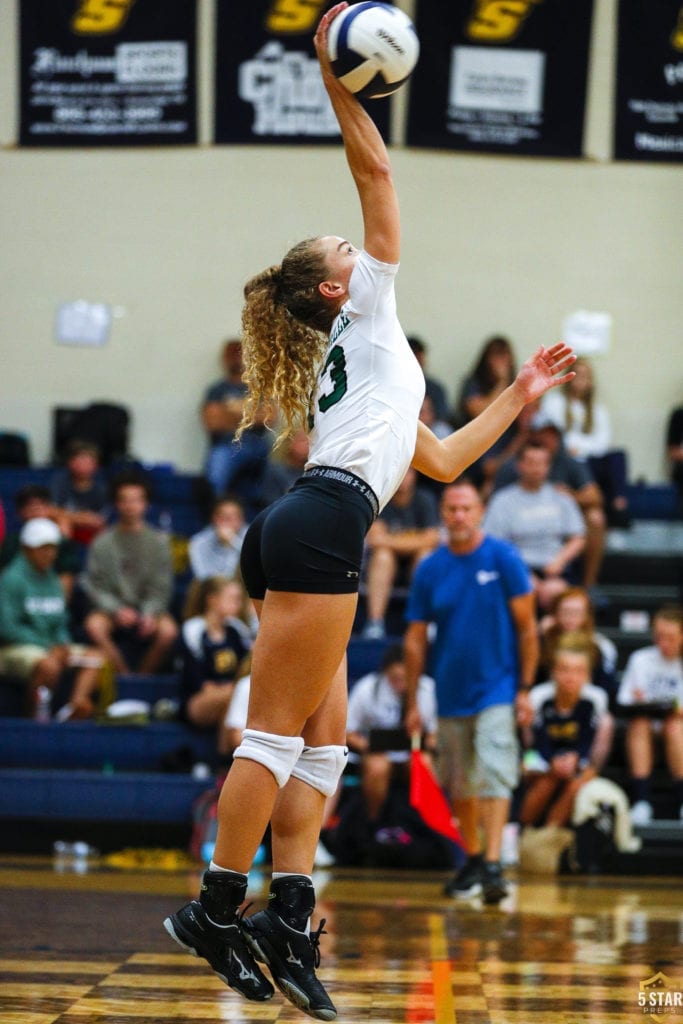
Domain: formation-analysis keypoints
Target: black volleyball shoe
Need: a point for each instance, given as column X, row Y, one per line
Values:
column 209, row 927
column 276, row 936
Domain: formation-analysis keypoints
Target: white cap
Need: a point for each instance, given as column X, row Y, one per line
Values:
column 37, row 532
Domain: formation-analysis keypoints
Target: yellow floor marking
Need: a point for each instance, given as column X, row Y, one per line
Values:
column 444, row 1004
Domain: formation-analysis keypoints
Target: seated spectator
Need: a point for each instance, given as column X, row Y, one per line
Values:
column 230, row 734
column 37, row 645
column 441, row 429
column 572, row 612
column 405, row 531
column 79, row 491
column 376, row 702
column 434, row 389
column 215, row 550
column 492, row 372
column 233, row 467
column 586, row 430
column 569, row 739
column 574, row 478
column 129, row 581
column 653, row 679
column 33, row 502
column 674, row 450
column 284, row 467
column 214, row 646
column 544, row 524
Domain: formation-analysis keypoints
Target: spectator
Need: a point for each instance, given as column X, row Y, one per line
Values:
column 377, row 702
column 434, row 389
column 573, row 612
column 405, row 531
column 570, row 736
column 544, row 524
column 78, row 489
column 441, row 429
column 129, row 581
column 34, row 625
column 586, row 430
column 215, row 550
column 285, row 467
column 214, row 645
column 674, row 449
column 574, row 478
column 33, row 502
column 428, row 416
column 477, row 593
column 654, row 676
column 230, row 466
column 493, row 371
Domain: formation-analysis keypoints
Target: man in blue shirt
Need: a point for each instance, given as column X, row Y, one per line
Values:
column 476, row 594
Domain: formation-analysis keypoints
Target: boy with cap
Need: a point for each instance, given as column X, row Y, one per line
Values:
column 34, row 631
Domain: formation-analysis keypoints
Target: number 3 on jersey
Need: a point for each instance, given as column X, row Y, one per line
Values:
column 336, row 364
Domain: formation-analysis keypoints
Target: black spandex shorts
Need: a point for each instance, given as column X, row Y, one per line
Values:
column 310, row 541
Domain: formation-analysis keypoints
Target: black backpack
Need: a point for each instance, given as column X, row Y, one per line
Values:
column 399, row 839
column 14, row 450
column 102, row 423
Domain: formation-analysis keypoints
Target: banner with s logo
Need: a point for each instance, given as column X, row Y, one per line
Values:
column 268, row 84
column 96, row 73
column 649, row 95
column 500, row 76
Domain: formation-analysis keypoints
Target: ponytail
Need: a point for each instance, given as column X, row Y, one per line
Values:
column 285, row 327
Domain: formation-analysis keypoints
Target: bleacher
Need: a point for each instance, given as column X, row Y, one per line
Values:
column 109, row 784
column 115, row 785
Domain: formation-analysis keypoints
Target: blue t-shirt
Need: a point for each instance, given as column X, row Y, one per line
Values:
column 474, row 655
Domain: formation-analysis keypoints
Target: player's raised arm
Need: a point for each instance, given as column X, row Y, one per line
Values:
column 447, row 459
column 366, row 155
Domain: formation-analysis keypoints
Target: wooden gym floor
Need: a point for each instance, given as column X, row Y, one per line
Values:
column 89, row 949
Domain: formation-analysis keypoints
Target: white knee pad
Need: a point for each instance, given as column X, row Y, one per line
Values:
column 321, row 767
column 278, row 754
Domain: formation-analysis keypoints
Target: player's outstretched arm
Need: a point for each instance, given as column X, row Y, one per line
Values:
column 366, row 155
column 447, row 459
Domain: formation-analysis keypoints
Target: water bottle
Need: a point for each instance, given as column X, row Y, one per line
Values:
column 166, row 522
column 43, row 704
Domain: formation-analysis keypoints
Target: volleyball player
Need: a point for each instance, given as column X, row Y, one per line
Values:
column 323, row 324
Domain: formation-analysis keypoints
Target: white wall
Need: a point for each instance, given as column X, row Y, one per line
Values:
column 169, row 235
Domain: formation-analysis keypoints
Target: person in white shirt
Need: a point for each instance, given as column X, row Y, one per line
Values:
column 654, row 676
column 587, row 436
column 377, row 702
column 215, row 550
column 321, row 341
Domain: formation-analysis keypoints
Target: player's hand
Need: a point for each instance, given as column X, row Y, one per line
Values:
column 545, row 369
column 320, row 37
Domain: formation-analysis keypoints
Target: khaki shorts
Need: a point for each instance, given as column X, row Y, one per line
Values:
column 479, row 754
column 21, row 659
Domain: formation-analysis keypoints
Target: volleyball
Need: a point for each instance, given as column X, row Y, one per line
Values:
column 373, row 49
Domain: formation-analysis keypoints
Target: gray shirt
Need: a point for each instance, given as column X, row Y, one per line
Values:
column 538, row 523
column 126, row 569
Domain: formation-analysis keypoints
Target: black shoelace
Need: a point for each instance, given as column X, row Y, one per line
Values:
column 315, row 941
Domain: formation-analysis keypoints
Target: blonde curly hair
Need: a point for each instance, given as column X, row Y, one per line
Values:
column 285, row 328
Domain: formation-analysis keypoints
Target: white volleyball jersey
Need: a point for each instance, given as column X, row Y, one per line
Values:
column 370, row 387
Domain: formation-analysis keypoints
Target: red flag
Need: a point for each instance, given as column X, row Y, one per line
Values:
column 427, row 798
